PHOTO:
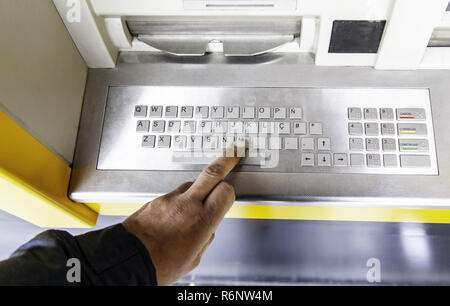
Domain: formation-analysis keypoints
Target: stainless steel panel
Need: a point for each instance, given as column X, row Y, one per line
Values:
column 440, row 38
column 88, row 184
column 295, row 252
column 217, row 25
column 233, row 45
column 239, row 36
column 121, row 146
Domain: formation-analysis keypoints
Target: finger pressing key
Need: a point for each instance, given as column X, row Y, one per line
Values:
column 214, row 174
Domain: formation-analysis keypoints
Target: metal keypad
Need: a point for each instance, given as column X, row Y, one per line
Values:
column 272, row 135
column 399, row 140
column 376, row 129
column 336, row 131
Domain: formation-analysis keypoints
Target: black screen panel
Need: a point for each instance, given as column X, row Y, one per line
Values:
column 356, row 36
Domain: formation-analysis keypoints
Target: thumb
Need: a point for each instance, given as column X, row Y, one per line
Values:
column 217, row 204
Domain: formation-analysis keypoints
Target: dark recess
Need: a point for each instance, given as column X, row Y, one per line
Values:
column 356, row 36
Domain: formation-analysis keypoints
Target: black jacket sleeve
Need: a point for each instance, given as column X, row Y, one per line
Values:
column 111, row 256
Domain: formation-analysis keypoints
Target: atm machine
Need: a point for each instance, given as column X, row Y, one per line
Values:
column 343, row 106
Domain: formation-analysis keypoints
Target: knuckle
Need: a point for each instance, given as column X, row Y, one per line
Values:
column 179, row 208
column 162, row 199
column 204, row 220
column 185, row 186
column 188, row 184
column 227, row 187
column 214, row 170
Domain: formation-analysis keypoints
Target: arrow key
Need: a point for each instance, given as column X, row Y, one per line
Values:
column 323, row 144
column 307, row 160
column 340, row 160
column 324, row 160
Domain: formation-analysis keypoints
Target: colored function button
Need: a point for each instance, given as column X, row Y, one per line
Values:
column 418, row 129
column 413, row 145
column 411, row 114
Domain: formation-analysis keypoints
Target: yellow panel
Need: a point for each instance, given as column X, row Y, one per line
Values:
column 309, row 213
column 34, row 182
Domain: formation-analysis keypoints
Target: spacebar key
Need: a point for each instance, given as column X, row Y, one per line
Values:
column 205, row 158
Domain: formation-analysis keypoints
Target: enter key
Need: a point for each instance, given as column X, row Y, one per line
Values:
column 413, row 145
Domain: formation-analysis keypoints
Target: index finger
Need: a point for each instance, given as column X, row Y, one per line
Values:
column 213, row 175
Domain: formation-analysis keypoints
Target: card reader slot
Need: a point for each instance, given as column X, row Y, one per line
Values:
column 239, row 37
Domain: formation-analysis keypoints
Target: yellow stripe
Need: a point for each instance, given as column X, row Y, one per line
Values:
column 114, row 209
column 340, row 213
column 309, row 213
column 34, row 182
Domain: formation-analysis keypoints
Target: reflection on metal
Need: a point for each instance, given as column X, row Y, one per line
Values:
column 240, row 37
column 282, row 252
column 214, row 25
column 88, row 184
column 415, row 245
column 178, row 45
column 233, row 45
column 440, row 38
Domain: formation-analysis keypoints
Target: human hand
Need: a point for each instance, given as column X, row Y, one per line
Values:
column 178, row 227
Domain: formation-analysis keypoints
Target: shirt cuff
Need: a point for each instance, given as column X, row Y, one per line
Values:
column 117, row 257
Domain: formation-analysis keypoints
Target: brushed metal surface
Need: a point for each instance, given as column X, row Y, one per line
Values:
column 217, row 25
column 121, row 149
column 88, row 184
column 239, row 36
column 293, row 252
column 233, row 45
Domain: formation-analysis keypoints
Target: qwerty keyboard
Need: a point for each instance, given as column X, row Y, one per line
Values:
column 380, row 131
